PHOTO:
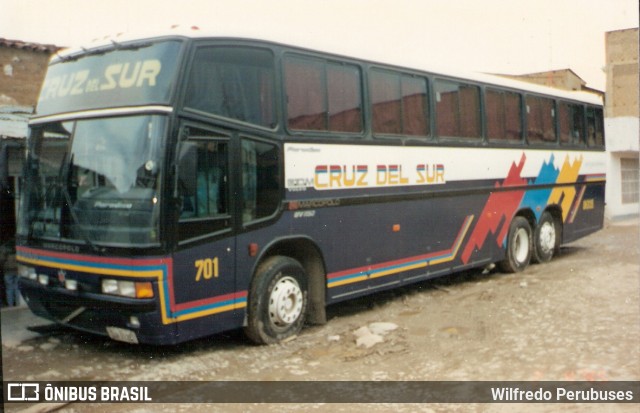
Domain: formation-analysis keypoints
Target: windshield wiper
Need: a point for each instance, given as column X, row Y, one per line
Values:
column 101, row 50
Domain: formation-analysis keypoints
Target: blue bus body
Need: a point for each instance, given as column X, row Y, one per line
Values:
column 140, row 257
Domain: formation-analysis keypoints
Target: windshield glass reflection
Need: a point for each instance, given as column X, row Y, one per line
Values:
column 95, row 181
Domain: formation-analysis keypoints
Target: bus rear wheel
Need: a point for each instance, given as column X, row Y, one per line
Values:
column 545, row 238
column 278, row 301
column 518, row 253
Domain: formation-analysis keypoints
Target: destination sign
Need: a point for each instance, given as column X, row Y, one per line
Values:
column 121, row 76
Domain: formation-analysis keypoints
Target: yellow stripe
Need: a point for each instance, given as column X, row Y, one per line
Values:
column 568, row 174
column 421, row 264
column 398, row 270
column 454, row 253
column 235, row 306
column 92, row 270
column 349, row 281
column 440, row 261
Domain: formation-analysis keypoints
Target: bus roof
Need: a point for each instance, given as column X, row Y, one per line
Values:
column 327, row 45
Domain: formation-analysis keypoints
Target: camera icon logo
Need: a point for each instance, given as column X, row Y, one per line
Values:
column 23, row 392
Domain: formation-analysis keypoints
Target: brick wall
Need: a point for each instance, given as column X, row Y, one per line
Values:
column 22, row 70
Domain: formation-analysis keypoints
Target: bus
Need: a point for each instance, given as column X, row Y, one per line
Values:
column 181, row 185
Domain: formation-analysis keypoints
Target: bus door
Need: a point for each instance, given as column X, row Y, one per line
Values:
column 204, row 261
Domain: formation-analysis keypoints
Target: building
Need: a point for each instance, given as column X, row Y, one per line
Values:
column 565, row 79
column 23, row 67
column 622, row 122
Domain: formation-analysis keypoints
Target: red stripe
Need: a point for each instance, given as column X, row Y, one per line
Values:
column 207, row 301
column 400, row 261
column 95, row 259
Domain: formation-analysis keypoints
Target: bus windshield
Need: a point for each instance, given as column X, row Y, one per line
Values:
column 122, row 75
column 95, row 181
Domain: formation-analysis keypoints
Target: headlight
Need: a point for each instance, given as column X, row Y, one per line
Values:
column 133, row 289
column 110, row 286
column 27, row 272
column 71, row 285
column 127, row 288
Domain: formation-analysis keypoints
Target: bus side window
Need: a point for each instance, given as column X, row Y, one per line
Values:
column 322, row 96
column 203, row 185
column 503, row 116
column 261, row 188
column 571, row 119
column 203, row 179
column 457, row 110
column 399, row 104
column 595, row 128
column 233, row 82
column 541, row 118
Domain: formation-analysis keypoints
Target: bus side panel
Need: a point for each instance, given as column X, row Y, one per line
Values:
column 208, row 325
column 381, row 245
column 202, row 294
column 586, row 215
column 376, row 246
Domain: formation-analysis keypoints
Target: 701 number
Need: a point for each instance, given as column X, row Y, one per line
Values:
column 207, row 268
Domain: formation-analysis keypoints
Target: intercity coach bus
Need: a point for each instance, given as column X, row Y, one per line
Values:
column 182, row 185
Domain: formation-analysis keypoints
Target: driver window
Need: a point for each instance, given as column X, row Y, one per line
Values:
column 204, row 179
column 203, row 184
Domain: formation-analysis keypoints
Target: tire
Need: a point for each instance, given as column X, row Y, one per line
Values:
column 278, row 301
column 546, row 238
column 519, row 248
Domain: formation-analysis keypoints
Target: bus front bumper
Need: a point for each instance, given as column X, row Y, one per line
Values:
column 130, row 320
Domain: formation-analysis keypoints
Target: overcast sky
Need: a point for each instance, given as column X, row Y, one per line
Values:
column 497, row 36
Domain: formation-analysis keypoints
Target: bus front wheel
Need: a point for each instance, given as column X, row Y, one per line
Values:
column 519, row 250
column 278, row 301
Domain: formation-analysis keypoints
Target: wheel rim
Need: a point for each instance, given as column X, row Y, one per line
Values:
column 521, row 245
column 285, row 302
column 547, row 237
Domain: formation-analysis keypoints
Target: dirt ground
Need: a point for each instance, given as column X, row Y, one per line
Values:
column 575, row 318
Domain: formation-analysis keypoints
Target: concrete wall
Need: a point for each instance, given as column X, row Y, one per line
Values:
column 622, row 73
column 620, row 144
column 622, row 122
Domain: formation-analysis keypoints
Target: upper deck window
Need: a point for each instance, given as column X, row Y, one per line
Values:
column 233, row 82
column 129, row 74
column 322, row 96
column 457, row 110
column 399, row 104
column 541, row 120
column 503, row 116
column 571, row 119
column 595, row 128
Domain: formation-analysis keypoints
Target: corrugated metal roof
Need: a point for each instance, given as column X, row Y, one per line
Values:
column 14, row 121
column 36, row 47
